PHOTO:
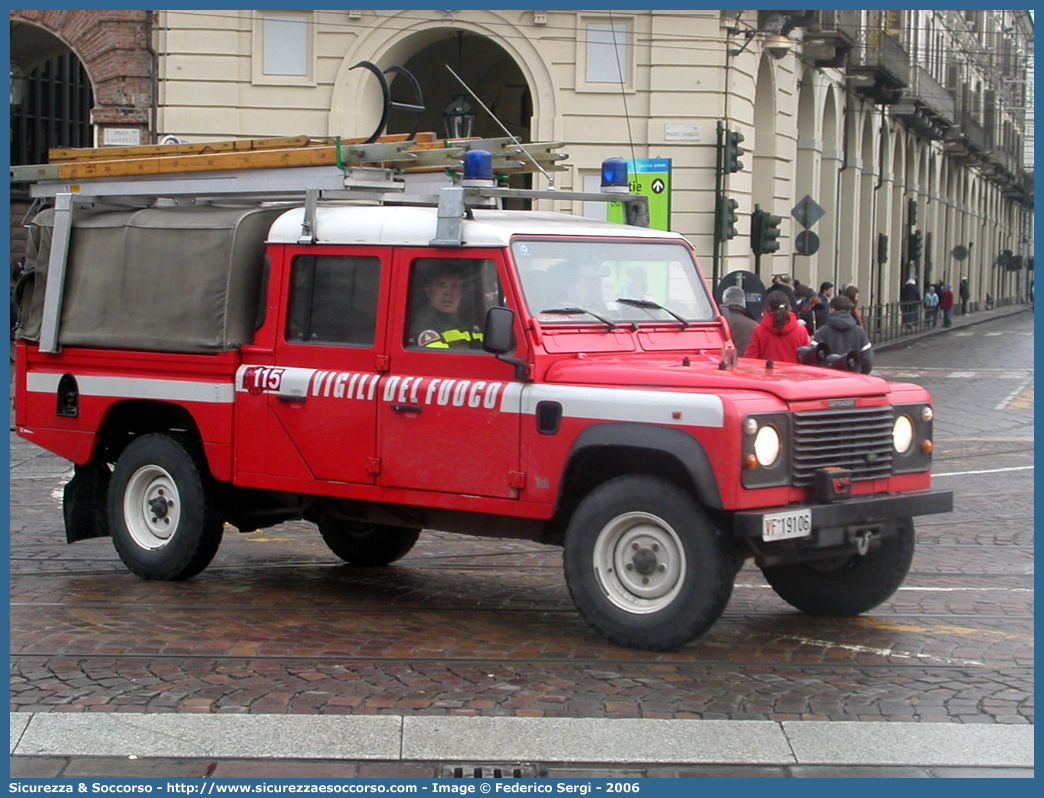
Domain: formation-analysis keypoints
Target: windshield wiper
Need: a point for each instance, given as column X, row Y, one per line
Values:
column 568, row 311
column 648, row 304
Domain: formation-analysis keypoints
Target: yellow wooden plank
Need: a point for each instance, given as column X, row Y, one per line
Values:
column 421, row 153
column 260, row 159
column 154, row 150
column 59, row 155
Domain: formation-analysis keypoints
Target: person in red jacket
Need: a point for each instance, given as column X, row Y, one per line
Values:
column 779, row 333
column 946, row 305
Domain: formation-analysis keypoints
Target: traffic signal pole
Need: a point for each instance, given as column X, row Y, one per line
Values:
column 719, row 177
column 728, row 152
column 755, row 236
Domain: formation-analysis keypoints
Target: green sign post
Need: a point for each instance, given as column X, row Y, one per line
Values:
column 651, row 177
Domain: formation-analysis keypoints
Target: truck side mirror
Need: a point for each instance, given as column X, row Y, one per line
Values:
column 500, row 325
column 498, row 338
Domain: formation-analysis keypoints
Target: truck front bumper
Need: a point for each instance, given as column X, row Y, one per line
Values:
column 838, row 527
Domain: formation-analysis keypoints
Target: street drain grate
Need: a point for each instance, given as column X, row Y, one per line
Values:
column 488, row 772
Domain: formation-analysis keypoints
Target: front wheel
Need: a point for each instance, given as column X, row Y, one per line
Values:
column 359, row 543
column 644, row 565
column 846, row 586
column 161, row 516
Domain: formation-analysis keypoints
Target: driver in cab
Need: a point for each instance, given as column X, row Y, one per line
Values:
column 443, row 323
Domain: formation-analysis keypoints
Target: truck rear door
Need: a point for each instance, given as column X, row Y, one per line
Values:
column 313, row 411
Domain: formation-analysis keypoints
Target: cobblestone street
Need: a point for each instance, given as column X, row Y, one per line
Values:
column 475, row 626
column 479, row 627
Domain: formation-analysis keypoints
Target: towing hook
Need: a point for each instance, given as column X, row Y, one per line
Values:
column 863, row 543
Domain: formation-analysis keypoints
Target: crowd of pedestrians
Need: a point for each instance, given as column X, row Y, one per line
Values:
column 796, row 315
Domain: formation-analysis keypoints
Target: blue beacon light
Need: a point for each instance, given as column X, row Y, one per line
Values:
column 614, row 176
column 478, row 168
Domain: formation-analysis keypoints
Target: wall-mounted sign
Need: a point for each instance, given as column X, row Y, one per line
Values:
column 681, row 132
column 120, row 136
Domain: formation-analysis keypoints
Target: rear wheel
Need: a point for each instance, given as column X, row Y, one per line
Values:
column 359, row 543
column 846, row 586
column 644, row 565
column 163, row 522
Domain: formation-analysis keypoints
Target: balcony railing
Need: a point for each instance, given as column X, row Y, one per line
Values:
column 879, row 53
column 844, row 21
column 974, row 132
column 933, row 94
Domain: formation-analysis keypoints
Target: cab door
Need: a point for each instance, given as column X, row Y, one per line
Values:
column 322, row 386
column 448, row 415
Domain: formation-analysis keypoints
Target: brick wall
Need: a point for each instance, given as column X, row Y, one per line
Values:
column 114, row 50
column 113, row 47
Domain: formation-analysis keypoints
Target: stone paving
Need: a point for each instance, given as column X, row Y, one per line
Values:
column 107, row 767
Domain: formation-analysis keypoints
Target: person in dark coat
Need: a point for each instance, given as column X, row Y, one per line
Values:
column 826, row 293
column 965, row 294
column 910, row 298
column 841, row 334
column 734, row 303
column 852, row 292
column 813, row 311
column 778, row 334
column 782, row 282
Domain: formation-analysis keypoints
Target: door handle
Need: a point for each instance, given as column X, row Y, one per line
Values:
column 291, row 397
column 406, row 408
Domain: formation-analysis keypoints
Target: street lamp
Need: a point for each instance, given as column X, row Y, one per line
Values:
column 459, row 118
column 18, row 82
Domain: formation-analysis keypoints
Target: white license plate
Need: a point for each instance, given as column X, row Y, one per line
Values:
column 791, row 524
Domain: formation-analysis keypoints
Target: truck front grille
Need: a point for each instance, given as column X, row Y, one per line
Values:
column 859, row 440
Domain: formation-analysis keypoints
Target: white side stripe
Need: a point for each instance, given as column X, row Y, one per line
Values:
column 618, row 404
column 137, row 388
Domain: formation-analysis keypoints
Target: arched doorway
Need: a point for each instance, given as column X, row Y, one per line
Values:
column 54, row 110
column 51, row 102
column 485, row 67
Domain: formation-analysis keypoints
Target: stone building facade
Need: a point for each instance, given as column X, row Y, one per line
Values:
column 896, row 123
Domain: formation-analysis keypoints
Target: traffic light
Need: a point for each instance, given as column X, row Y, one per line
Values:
column 915, row 245
column 726, row 218
column 733, row 151
column 911, row 212
column 764, row 230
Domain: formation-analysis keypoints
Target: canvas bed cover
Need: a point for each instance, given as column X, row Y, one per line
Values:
column 166, row 279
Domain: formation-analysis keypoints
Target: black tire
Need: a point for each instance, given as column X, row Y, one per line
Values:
column 363, row 544
column 849, row 586
column 84, row 503
column 644, row 565
column 155, row 542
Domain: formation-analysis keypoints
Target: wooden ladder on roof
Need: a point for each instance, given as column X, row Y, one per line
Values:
column 423, row 153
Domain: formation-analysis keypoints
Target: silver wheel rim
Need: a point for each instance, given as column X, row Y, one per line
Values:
column 151, row 507
column 639, row 561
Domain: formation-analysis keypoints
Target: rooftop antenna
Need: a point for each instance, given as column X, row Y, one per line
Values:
column 550, row 180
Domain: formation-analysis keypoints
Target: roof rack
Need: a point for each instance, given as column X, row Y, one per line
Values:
column 285, row 169
column 263, row 167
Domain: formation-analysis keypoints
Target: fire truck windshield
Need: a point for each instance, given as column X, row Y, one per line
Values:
column 626, row 281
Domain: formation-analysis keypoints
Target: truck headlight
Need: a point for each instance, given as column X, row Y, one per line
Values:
column 767, row 446
column 902, row 434
column 766, row 459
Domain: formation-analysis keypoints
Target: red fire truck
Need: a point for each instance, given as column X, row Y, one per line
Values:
column 380, row 362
